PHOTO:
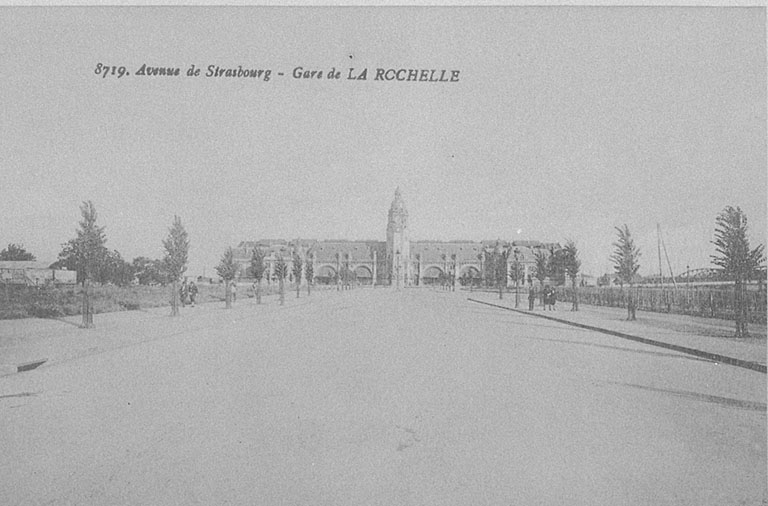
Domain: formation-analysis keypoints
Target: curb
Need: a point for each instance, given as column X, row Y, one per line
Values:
column 722, row 359
column 6, row 369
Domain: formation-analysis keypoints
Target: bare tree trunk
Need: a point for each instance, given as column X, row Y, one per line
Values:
column 174, row 298
column 298, row 289
column 631, row 310
column 258, row 292
column 575, row 295
column 740, row 310
column 87, row 310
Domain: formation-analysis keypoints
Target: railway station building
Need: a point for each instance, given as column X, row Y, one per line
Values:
column 398, row 261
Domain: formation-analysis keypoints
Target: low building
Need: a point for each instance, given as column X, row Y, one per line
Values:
column 32, row 273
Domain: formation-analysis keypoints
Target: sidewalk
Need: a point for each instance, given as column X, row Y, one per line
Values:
column 60, row 340
column 705, row 334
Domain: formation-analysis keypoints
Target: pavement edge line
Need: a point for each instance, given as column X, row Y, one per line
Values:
column 682, row 349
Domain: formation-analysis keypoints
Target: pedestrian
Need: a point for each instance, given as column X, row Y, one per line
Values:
column 183, row 292
column 192, row 293
column 234, row 291
column 531, row 297
column 550, row 298
column 547, row 297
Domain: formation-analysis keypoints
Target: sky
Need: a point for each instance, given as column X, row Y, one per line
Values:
column 565, row 123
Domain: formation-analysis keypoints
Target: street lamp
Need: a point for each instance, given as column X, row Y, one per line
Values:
column 517, row 278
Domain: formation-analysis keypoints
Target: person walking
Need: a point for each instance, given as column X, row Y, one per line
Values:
column 234, row 290
column 192, row 293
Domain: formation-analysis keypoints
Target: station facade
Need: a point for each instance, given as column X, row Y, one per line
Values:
column 397, row 261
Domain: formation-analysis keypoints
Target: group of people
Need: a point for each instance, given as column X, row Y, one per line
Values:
column 547, row 297
column 188, row 293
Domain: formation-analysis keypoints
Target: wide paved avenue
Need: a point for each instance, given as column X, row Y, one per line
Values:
column 380, row 397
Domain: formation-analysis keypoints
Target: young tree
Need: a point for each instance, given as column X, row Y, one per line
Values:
column 89, row 250
column 309, row 272
column 297, row 265
column 175, row 262
column 738, row 262
column 572, row 266
column 489, row 269
column 16, row 252
column 281, row 271
column 626, row 263
column 499, row 264
column 227, row 270
column 257, row 270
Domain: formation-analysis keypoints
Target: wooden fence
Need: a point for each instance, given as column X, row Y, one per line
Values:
column 698, row 301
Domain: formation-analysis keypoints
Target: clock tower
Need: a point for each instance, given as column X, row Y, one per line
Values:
column 398, row 243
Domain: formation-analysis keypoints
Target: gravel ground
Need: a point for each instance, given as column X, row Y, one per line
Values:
column 372, row 397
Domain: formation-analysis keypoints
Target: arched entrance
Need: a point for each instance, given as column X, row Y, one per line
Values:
column 325, row 275
column 469, row 276
column 432, row 275
column 363, row 275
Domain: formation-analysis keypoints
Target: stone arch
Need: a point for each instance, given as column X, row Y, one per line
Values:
column 469, row 275
column 363, row 274
column 432, row 274
column 325, row 274
column 470, row 270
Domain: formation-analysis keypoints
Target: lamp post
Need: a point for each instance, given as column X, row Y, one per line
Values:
column 517, row 278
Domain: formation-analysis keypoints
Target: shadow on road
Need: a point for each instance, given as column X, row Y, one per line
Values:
column 726, row 401
column 630, row 350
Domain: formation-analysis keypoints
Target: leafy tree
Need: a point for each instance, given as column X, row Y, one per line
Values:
column 604, row 280
column 516, row 274
column 281, row 271
column 572, row 266
column 257, row 270
column 113, row 269
column 16, row 252
column 498, row 264
column 149, row 272
column 297, row 266
column 68, row 259
column 88, row 250
column 227, row 270
column 540, row 268
column 176, row 246
column 739, row 263
column 626, row 263
column 309, row 272
column 489, row 266
column 556, row 266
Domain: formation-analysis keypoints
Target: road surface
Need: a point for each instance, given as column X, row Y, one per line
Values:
column 380, row 397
